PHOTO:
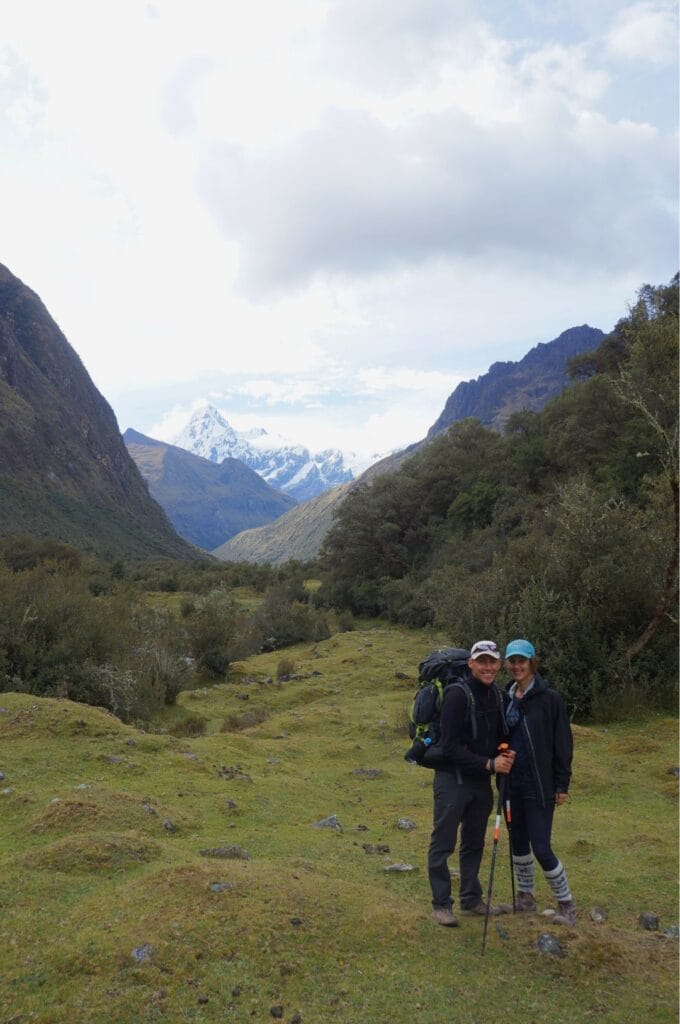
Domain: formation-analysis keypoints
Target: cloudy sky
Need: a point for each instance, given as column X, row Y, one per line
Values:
column 322, row 215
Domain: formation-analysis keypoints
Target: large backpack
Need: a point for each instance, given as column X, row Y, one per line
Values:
column 447, row 666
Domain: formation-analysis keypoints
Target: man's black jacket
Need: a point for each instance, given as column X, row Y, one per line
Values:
column 462, row 753
column 548, row 738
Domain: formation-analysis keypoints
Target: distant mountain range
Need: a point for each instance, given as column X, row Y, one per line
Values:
column 286, row 466
column 206, row 502
column 64, row 469
column 507, row 387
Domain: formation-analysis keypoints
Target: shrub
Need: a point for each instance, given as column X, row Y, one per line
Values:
column 193, row 725
column 285, row 667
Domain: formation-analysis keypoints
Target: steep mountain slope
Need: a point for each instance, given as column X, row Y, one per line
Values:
column 298, row 534
column 526, row 384
column 289, row 467
column 510, row 386
column 64, row 470
column 207, row 503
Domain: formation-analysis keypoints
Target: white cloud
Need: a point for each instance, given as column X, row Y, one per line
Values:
column 405, row 191
column 646, row 32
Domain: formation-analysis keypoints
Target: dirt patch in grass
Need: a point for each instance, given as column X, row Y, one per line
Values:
column 114, row 851
column 246, row 720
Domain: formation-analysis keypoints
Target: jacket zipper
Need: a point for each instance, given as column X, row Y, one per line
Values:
column 533, row 755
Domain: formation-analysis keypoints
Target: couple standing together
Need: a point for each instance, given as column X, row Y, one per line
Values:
column 532, row 718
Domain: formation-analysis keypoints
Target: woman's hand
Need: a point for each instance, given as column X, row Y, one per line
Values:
column 560, row 798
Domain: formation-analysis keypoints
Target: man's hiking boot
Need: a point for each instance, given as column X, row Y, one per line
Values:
column 566, row 914
column 445, row 916
column 525, row 903
column 479, row 909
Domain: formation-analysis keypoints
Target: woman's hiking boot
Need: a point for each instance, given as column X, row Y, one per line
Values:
column 445, row 916
column 566, row 913
column 525, row 903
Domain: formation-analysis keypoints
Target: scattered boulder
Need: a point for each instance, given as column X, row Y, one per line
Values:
column 648, row 921
column 221, row 886
column 399, row 867
column 141, row 953
column 296, row 921
column 233, row 772
column 400, row 675
column 376, row 847
column 276, row 1012
column 672, row 933
column 226, row 853
column 675, row 771
column 168, row 825
column 113, row 759
column 367, row 773
column 406, row 824
column 503, row 935
column 549, row 944
column 203, row 999
column 2, row 776
column 598, row 915
column 331, row 822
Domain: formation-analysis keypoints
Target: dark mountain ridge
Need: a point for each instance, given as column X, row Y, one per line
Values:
column 64, row 469
column 509, row 386
column 207, row 502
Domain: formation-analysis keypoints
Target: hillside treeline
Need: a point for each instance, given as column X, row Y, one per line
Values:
column 564, row 529
column 129, row 637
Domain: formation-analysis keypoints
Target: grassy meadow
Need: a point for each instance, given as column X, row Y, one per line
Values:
column 111, row 913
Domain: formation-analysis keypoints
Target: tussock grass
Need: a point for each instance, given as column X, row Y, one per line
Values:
column 311, row 921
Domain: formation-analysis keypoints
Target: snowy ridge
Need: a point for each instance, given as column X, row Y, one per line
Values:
column 290, row 467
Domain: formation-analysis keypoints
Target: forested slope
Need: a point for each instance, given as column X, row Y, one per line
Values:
column 564, row 529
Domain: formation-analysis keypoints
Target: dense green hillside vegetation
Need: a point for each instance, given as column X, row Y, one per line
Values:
column 150, row 877
column 564, row 529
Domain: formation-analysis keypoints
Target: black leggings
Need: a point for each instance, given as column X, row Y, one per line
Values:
column 531, row 829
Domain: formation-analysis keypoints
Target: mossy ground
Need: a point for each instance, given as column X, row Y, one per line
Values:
column 311, row 922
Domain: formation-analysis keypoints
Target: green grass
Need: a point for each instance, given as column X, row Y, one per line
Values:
column 311, row 922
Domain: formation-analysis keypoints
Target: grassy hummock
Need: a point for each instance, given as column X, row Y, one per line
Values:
column 111, row 914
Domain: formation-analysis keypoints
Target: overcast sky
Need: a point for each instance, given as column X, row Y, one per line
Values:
column 322, row 215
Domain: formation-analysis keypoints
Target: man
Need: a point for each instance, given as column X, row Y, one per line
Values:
column 472, row 726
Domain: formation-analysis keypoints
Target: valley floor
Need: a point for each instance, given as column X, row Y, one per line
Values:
column 148, row 877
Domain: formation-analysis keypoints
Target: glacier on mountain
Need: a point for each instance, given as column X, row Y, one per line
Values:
column 289, row 467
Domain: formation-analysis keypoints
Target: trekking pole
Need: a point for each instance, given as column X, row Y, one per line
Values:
column 496, row 833
column 508, row 821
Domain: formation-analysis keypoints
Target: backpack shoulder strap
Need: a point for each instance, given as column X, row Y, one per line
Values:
column 462, row 685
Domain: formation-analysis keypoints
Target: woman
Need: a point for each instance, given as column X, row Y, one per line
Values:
column 541, row 737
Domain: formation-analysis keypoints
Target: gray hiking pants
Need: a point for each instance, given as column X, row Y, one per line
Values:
column 466, row 804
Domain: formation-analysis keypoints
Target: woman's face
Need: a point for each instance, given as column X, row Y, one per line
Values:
column 520, row 669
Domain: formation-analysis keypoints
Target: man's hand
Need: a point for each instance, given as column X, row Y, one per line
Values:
column 503, row 763
column 560, row 798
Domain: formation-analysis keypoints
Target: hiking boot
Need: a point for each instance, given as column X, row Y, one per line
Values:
column 566, row 914
column 445, row 916
column 479, row 909
column 525, row 903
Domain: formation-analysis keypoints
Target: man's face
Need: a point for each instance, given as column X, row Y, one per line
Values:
column 484, row 668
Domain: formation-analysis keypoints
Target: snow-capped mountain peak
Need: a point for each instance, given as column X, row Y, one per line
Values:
column 283, row 464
